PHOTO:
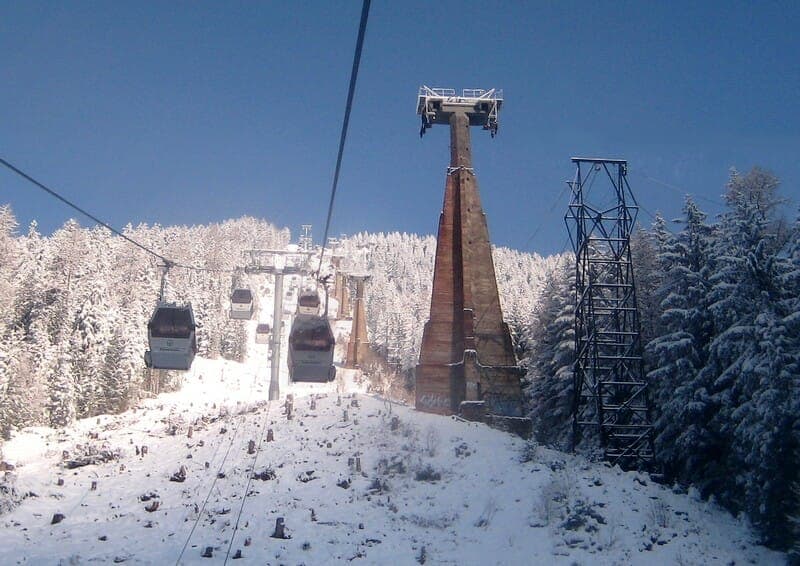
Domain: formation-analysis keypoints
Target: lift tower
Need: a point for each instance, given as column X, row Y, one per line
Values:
column 358, row 346
column 466, row 353
column 610, row 391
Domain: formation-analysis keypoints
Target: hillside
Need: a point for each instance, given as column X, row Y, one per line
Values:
column 431, row 489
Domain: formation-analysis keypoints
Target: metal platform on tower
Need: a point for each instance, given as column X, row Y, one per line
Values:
column 482, row 107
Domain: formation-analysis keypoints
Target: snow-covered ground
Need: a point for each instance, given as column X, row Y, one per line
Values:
column 353, row 477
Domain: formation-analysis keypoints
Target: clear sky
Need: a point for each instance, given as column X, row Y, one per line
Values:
column 192, row 112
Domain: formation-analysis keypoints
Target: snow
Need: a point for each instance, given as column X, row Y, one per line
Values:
column 432, row 487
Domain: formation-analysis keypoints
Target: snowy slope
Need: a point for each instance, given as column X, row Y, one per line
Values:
column 431, row 489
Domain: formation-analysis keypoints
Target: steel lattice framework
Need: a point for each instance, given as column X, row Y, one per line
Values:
column 610, row 391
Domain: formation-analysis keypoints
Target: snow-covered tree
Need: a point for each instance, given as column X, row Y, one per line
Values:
column 680, row 403
column 725, row 359
column 551, row 345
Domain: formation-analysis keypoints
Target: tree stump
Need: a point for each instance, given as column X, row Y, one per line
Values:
column 358, row 464
column 179, row 476
column 270, row 435
column 280, row 529
column 60, row 481
column 94, row 485
column 58, row 517
column 313, row 404
column 208, row 552
column 189, row 432
column 251, row 447
column 344, row 416
column 144, row 450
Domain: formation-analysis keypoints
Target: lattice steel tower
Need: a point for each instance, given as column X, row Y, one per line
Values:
column 609, row 384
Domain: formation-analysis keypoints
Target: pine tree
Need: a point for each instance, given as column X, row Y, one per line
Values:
column 61, row 386
column 742, row 288
column 116, row 375
column 680, row 403
column 767, row 420
column 9, row 266
column 22, row 399
column 551, row 342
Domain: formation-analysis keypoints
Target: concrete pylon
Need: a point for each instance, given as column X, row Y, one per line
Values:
column 340, row 291
column 358, row 346
column 338, row 286
column 344, row 297
column 467, row 353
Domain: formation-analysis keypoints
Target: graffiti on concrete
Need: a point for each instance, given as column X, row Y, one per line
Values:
column 432, row 401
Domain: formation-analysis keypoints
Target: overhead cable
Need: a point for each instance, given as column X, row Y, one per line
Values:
column 167, row 262
column 74, row 206
column 362, row 28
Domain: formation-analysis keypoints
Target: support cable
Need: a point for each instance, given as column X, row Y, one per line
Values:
column 362, row 28
column 530, row 238
column 213, row 483
column 74, row 206
column 676, row 189
column 167, row 262
column 249, row 482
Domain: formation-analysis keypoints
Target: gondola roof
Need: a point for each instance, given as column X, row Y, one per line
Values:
column 242, row 296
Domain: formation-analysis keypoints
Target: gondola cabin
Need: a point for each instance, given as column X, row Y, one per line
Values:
column 311, row 343
column 171, row 337
column 241, row 304
column 308, row 303
column 262, row 333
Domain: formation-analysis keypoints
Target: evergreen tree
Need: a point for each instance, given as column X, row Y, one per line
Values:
column 116, row 375
column 551, row 343
column 61, row 387
column 22, row 399
column 767, row 420
column 742, row 289
column 680, row 403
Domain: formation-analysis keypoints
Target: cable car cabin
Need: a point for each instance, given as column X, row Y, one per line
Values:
column 241, row 304
column 311, row 346
column 262, row 333
column 171, row 337
column 311, row 343
column 308, row 303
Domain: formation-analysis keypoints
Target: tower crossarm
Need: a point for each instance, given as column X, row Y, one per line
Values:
column 482, row 107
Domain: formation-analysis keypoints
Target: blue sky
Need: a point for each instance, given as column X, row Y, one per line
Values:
column 191, row 112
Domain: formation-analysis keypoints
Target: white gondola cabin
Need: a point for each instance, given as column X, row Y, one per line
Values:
column 311, row 343
column 241, row 304
column 171, row 337
column 262, row 333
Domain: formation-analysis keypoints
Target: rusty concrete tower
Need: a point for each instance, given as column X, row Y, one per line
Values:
column 358, row 346
column 467, row 353
column 340, row 291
